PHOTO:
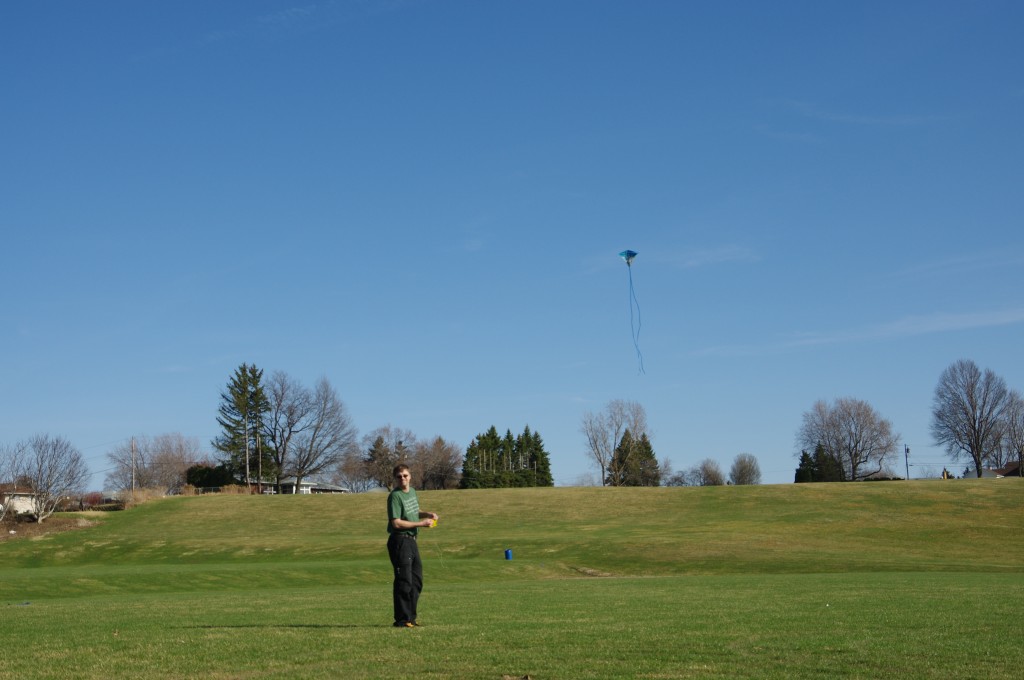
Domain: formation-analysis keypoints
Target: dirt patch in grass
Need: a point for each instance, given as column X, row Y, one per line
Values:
column 12, row 528
column 587, row 571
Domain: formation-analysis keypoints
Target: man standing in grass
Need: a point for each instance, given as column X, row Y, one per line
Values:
column 404, row 520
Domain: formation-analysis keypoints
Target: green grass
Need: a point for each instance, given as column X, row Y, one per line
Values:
column 917, row 580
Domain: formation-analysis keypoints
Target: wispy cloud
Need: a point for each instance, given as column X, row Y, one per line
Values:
column 788, row 136
column 471, row 238
column 288, row 16
column 174, row 369
column 909, row 326
column 286, row 24
column 811, row 110
column 273, row 24
column 705, row 257
column 962, row 264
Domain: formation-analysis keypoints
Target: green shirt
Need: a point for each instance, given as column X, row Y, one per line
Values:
column 402, row 505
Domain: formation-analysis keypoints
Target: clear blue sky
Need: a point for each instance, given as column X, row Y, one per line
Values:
column 424, row 202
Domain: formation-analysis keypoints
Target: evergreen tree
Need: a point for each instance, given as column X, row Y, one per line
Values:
column 634, row 463
column 617, row 468
column 481, row 462
column 826, row 468
column 379, row 461
column 521, row 459
column 805, row 469
column 203, row 475
column 644, row 469
column 472, row 475
column 493, row 461
column 534, row 467
column 541, row 462
column 505, row 477
column 243, row 407
column 820, row 467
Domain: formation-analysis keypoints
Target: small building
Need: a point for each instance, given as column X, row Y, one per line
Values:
column 1011, row 470
column 16, row 502
column 291, row 485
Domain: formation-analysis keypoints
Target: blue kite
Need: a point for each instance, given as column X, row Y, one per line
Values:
column 628, row 256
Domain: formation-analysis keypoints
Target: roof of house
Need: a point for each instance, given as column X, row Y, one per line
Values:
column 314, row 485
column 14, row 490
column 1011, row 470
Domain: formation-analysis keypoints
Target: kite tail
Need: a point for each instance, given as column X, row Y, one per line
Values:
column 635, row 330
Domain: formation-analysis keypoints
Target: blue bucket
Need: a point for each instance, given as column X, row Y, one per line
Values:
column 508, row 553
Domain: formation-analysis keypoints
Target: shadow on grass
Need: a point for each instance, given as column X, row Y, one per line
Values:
column 284, row 625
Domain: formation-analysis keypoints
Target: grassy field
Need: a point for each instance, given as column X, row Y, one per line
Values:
column 901, row 579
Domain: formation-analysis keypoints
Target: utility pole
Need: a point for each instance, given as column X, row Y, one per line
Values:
column 245, row 427
column 259, row 463
column 906, row 459
column 133, row 469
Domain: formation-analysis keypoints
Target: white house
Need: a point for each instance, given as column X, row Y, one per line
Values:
column 14, row 501
column 307, row 487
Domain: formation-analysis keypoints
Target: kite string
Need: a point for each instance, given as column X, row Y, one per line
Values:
column 635, row 331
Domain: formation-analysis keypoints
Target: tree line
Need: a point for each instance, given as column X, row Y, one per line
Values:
column 744, row 470
column 978, row 418
column 44, row 470
column 493, row 461
column 276, row 429
column 618, row 443
column 975, row 417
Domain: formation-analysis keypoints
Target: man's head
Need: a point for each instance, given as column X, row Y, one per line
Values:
column 402, row 476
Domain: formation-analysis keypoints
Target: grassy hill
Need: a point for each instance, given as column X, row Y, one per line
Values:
column 909, row 580
column 193, row 543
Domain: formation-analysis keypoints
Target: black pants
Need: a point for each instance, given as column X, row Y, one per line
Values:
column 405, row 558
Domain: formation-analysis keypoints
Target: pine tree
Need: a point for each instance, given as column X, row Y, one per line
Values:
column 826, row 468
column 521, row 459
column 505, row 476
column 644, row 469
column 541, row 462
column 634, row 463
column 472, row 475
column 805, row 469
column 617, row 469
column 493, row 461
column 379, row 461
column 481, row 462
column 242, row 409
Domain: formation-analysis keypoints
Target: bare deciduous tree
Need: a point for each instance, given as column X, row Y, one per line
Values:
column 308, row 432
column 351, row 472
column 667, row 472
column 10, row 467
column 159, row 462
column 439, row 464
column 706, row 473
column 435, row 464
column 681, row 478
column 745, row 470
column 384, row 448
column 604, row 430
column 289, row 415
column 54, row 470
column 1014, row 429
column 330, row 433
column 969, row 412
column 852, row 434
